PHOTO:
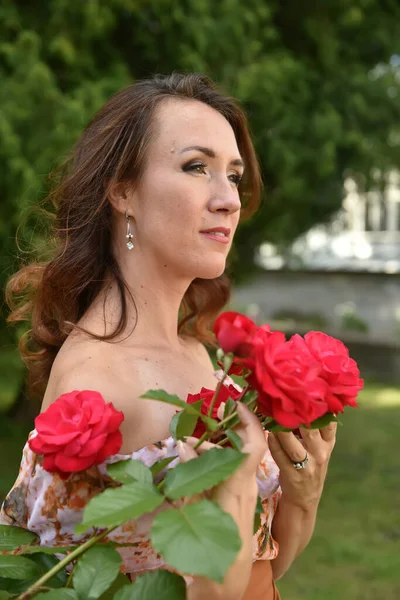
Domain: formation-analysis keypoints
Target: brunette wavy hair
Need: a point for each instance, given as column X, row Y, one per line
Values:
column 53, row 294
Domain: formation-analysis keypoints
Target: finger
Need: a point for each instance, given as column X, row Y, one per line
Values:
column 278, row 453
column 328, row 433
column 185, row 451
column 192, row 441
column 291, row 445
column 311, row 438
column 246, row 416
column 249, row 428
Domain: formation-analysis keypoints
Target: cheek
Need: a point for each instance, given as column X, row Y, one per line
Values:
column 170, row 213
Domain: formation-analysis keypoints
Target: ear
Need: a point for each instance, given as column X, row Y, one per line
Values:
column 121, row 196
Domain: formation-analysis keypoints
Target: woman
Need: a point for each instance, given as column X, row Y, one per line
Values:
column 146, row 212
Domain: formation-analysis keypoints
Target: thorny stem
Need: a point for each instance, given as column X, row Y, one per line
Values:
column 217, row 390
column 31, row 591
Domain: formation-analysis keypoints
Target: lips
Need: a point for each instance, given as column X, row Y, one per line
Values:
column 218, row 231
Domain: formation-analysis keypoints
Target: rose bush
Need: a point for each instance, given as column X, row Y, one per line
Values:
column 77, row 431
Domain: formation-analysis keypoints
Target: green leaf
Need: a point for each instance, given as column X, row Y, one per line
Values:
column 234, row 439
column 95, row 571
column 202, row 473
column 121, row 581
column 323, row 421
column 17, row 567
column 182, row 424
column 259, row 507
column 43, row 563
column 274, row 426
column 317, row 424
column 211, row 423
column 115, row 506
column 47, row 549
column 257, row 523
column 198, row 539
column 163, row 396
column 160, row 465
column 130, row 470
column 160, row 585
column 249, row 397
column 257, row 516
column 62, row 594
column 12, row 537
column 230, row 407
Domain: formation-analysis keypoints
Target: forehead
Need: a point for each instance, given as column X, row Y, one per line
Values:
column 182, row 123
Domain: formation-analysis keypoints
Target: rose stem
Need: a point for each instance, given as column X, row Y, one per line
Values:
column 64, row 562
column 217, row 390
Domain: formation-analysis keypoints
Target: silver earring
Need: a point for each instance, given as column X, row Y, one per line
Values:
column 128, row 236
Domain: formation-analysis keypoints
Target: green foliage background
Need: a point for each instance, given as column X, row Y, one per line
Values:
column 319, row 82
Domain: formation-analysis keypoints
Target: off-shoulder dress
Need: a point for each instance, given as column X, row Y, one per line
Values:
column 49, row 506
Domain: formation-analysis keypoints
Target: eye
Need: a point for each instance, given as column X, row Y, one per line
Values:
column 198, row 167
column 236, row 178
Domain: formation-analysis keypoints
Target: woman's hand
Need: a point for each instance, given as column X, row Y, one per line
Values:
column 253, row 444
column 303, row 487
column 237, row 496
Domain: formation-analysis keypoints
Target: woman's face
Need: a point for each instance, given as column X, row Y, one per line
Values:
column 189, row 186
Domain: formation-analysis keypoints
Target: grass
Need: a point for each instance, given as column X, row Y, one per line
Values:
column 354, row 553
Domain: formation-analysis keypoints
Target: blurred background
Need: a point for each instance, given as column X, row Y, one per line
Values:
column 320, row 82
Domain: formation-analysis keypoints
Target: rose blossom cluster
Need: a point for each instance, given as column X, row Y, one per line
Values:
column 297, row 380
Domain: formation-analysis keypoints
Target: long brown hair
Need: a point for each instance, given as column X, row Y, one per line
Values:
column 53, row 294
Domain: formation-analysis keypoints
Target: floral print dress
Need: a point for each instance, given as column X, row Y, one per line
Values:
column 51, row 507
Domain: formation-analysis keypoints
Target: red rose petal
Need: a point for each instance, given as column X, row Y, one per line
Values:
column 73, row 448
column 112, row 446
column 39, row 447
column 93, row 446
column 95, row 402
column 72, row 464
column 49, row 463
column 62, row 439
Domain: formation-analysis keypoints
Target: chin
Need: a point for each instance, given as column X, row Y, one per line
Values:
column 211, row 270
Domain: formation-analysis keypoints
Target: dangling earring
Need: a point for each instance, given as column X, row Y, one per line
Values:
column 128, row 236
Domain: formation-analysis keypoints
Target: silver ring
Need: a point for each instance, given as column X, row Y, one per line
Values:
column 302, row 464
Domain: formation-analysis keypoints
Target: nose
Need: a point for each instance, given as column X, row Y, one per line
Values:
column 224, row 197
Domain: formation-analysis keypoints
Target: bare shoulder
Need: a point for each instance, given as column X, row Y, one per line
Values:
column 95, row 366
column 87, row 365
column 200, row 352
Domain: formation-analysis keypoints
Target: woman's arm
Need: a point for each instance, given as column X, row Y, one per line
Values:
column 241, row 507
column 237, row 496
column 292, row 528
column 294, row 521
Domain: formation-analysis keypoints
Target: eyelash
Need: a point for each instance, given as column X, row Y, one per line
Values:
column 200, row 165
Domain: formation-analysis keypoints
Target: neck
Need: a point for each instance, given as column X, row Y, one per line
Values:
column 157, row 297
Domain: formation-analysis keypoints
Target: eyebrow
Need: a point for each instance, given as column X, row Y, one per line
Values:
column 237, row 162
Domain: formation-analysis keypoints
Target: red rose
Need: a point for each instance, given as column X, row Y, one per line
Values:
column 234, row 333
column 77, row 431
column 219, row 406
column 287, row 378
column 339, row 370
